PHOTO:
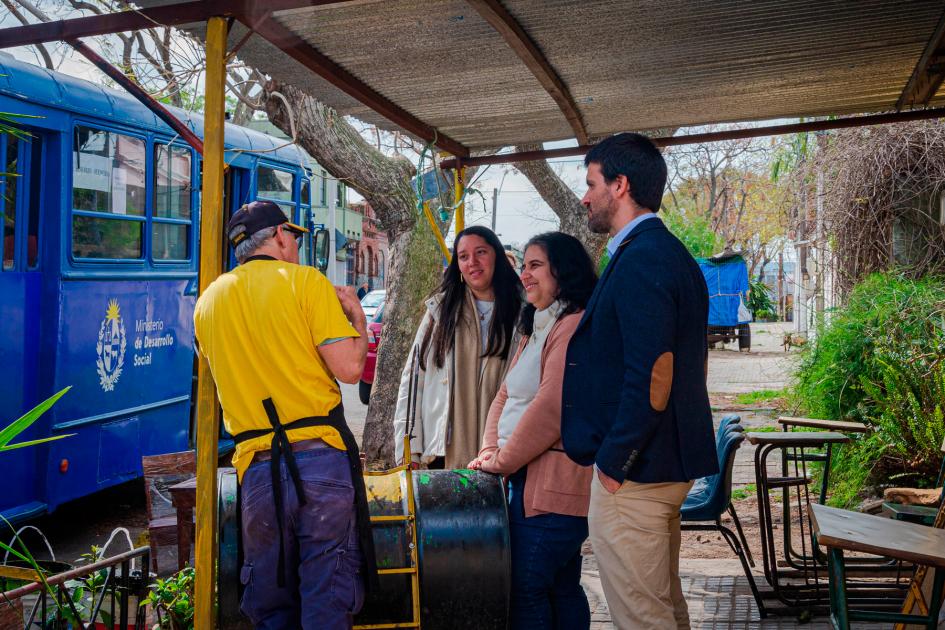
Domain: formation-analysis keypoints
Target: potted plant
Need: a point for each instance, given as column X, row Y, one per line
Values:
column 173, row 601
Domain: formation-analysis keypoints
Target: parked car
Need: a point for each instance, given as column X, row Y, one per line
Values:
column 726, row 277
column 372, row 301
column 370, row 362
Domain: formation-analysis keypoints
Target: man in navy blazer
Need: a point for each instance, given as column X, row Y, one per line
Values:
column 635, row 402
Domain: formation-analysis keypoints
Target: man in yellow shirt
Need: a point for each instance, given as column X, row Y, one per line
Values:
column 277, row 335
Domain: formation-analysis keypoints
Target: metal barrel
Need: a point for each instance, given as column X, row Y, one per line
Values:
column 230, row 557
column 463, row 545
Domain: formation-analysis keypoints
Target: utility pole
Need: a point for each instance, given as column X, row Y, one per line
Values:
column 495, row 198
column 495, row 202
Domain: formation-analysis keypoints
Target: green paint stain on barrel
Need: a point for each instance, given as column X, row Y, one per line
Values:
column 464, row 475
column 424, row 478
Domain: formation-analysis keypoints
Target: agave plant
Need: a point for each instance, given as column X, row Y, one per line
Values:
column 7, row 435
column 8, row 124
column 26, row 421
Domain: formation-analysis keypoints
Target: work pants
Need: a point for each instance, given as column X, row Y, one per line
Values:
column 323, row 585
column 635, row 534
column 546, row 567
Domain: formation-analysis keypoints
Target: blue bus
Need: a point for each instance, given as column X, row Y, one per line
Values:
column 101, row 218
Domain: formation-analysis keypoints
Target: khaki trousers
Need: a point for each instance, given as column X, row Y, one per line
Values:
column 635, row 534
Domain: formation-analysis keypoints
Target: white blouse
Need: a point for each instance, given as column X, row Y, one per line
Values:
column 522, row 381
column 484, row 309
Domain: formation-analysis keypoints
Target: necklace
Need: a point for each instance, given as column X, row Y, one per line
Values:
column 484, row 308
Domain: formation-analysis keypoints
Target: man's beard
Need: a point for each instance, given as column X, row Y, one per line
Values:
column 600, row 219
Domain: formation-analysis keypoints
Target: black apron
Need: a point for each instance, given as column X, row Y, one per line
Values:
column 281, row 447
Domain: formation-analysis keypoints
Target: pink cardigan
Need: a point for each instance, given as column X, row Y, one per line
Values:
column 553, row 482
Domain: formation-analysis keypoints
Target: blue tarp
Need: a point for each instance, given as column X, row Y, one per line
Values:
column 727, row 281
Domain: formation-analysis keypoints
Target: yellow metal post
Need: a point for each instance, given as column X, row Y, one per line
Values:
column 211, row 244
column 436, row 230
column 459, row 191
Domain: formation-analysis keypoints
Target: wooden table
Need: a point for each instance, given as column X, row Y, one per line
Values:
column 840, row 426
column 184, row 497
column 841, row 530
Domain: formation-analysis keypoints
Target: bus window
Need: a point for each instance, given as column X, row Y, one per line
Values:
column 279, row 187
column 305, row 197
column 101, row 238
column 108, row 194
column 173, row 192
column 35, row 199
column 274, row 185
column 10, row 159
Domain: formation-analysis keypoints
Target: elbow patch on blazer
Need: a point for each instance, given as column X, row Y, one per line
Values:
column 661, row 381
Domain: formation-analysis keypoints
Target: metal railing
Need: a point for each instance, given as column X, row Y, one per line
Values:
column 104, row 594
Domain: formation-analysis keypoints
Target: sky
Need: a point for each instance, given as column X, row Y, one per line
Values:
column 520, row 211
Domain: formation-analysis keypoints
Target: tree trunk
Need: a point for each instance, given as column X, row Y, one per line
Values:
column 415, row 260
column 564, row 203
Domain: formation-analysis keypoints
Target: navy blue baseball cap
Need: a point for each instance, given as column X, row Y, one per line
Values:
column 256, row 216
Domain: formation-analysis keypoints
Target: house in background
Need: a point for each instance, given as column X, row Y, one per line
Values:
column 371, row 253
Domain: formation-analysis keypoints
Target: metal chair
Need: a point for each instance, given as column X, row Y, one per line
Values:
column 731, row 420
column 711, row 497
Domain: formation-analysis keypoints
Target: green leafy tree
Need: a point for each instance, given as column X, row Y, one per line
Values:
column 695, row 233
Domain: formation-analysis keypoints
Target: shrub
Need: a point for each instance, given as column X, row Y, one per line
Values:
column 759, row 299
column 880, row 360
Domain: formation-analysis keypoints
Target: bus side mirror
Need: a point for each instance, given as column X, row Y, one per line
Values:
column 321, row 250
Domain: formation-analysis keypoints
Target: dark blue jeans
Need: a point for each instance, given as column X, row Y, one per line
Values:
column 546, row 567
column 323, row 587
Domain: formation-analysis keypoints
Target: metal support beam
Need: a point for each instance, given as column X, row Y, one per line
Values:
column 167, row 15
column 211, row 263
column 715, row 136
column 527, row 50
column 928, row 73
column 300, row 50
column 137, row 19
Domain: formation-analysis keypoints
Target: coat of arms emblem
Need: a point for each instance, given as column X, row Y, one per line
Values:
column 110, row 347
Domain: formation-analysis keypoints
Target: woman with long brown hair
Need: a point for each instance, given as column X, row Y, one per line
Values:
column 462, row 347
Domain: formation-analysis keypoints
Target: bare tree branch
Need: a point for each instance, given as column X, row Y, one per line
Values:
column 562, row 200
column 47, row 60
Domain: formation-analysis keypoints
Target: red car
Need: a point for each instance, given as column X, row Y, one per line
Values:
column 374, row 326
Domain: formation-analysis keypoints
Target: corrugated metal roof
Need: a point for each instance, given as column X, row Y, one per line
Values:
column 628, row 64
